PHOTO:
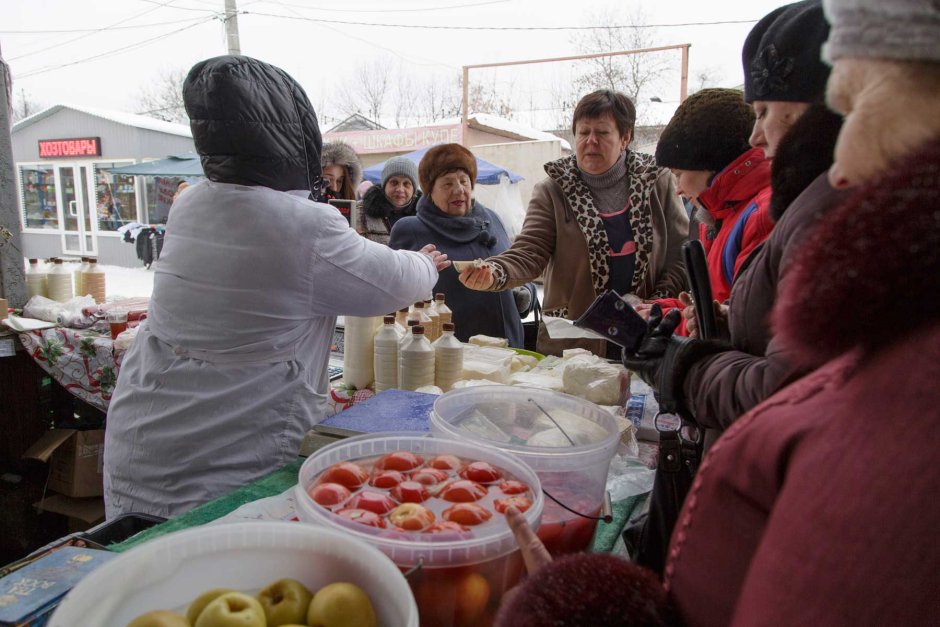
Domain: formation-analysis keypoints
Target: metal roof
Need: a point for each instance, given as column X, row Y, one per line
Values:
column 119, row 117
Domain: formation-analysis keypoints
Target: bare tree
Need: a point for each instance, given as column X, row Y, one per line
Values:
column 630, row 74
column 24, row 106
column 438, row 98
column 486, row 99
column 163, row 98
column 366, row 91
column 703, row 79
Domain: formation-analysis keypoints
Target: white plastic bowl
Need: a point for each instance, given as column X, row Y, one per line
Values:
column 170, row 572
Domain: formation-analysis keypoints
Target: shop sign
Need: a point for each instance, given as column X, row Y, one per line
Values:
column 397, row 140
column 78, row 147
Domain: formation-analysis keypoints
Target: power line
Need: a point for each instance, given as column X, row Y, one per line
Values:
column 94, row 30
column 103, row 28
column 180, row 8
column 115, row 51
column 496, row 28
column 423, row 10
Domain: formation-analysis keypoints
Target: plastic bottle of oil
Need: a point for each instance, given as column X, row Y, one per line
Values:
column 442, row 309
column 417, row 361
column 36, row 280
column 93, row 281
column 59, row 282
column 435, row 328
column 448, row 358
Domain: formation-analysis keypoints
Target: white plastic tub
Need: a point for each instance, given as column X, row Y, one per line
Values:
column 170, row 572
column 514, row 420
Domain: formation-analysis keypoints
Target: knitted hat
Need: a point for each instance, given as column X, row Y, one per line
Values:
column 709, row 130
column 443, row 158
column 400, row 166
column 904, row 30
column 782, row 55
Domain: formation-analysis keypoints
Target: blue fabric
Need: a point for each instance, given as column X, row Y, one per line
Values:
column 733, row 246
column 487, row 173
column 477, row 236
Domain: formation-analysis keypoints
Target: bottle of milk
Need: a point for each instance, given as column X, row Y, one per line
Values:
column 385, row 355
column 35, row 280
column 358, row 344
column 442, row 309
column 448, row 358
column 93, row 281
column 435, row 328
column 78, row 275
column 417, row 361
column 59, row 282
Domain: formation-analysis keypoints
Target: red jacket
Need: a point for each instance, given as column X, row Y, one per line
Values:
column 739, row 197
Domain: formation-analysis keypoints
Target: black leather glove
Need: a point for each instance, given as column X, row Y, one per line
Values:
column 663, row 359
column 523, row 297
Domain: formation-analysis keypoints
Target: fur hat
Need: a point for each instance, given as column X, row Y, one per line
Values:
column 443, row 158
column 341, row 153
column 709, row 130
column 400, row 166
column 782, row 55
column 903, row 30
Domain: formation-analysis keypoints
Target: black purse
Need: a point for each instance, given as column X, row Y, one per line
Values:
column 530, row 328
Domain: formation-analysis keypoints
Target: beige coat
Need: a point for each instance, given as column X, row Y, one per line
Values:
column 563, row 237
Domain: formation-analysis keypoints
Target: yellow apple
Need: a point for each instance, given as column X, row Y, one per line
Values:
column 233, row 609
column 159, row 618
column 285, row 601
column 341, row 604
column 472, row 595
column 204, row 599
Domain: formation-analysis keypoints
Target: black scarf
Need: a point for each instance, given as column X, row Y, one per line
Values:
column 462, row 229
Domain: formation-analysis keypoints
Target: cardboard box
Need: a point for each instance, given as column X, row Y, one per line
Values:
column 75, row 467
column 82, row 513
column 29, row 595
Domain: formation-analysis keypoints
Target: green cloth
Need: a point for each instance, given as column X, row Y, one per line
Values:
column 272, row 484
column 607, row 535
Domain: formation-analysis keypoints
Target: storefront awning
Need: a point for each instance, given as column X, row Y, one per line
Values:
column 185, row 165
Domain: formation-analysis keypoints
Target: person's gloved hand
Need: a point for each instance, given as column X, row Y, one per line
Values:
column 647, row 361
column 523, row 297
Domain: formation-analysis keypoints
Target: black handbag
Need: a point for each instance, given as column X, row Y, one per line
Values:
column 530, row 328
column 679, row 458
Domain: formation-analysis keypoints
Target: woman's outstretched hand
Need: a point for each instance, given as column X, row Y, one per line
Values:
column 534, row 553
column 478, row 278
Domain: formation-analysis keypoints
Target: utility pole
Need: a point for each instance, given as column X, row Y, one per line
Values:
column 12, row 277
column 231, row 28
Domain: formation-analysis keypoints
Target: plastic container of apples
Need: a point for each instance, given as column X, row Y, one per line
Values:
column 435, row 507
column 168, row 573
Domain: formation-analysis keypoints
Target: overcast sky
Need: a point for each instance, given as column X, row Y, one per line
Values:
column 107, row 51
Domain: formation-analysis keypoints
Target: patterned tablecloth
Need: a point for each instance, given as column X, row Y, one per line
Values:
column 84, row 361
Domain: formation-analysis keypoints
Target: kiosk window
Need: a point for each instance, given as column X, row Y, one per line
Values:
column 115, row 198
column 39, row 202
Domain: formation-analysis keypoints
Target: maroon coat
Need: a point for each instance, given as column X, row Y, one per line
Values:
column 820, row 507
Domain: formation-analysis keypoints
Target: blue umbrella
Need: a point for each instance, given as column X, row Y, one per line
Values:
column 487, row 173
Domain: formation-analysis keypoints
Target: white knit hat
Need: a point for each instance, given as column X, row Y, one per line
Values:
column 901, row 30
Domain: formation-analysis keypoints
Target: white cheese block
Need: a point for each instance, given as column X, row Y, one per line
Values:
column 538, row 380
column 486, row 340
column 522, row 363
column 568, row 353
column 598, row 382
column 480, row 369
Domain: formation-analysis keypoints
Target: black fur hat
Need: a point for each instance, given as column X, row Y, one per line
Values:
column 709, row 130
column 781, row 55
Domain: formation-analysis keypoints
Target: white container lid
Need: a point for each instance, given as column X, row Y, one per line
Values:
column 534, row 424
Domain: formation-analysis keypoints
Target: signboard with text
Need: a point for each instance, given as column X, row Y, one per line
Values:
column 397, row 140
column 77, row 147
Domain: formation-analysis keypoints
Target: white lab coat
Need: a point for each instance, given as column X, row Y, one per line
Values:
column 228, row 372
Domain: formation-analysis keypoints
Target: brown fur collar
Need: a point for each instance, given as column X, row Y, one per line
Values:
column 870, row 271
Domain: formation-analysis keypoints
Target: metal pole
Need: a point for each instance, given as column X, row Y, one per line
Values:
column 231, row 28
column 12, row 275
column 684, row 85
column 465, row 103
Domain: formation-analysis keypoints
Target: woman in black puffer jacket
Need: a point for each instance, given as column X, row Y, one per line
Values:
column 395, row 197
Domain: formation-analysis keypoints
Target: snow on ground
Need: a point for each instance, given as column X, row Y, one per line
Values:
column 127, row 282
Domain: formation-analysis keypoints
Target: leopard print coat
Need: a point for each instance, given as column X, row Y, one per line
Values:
column 564, row 236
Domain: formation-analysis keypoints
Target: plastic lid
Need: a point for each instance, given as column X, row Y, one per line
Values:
column 439, row 296
column 448, row 326
column 419, row 304
column 417, row 329
column 389, row 319
column 541, row 426
column 413, row 323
